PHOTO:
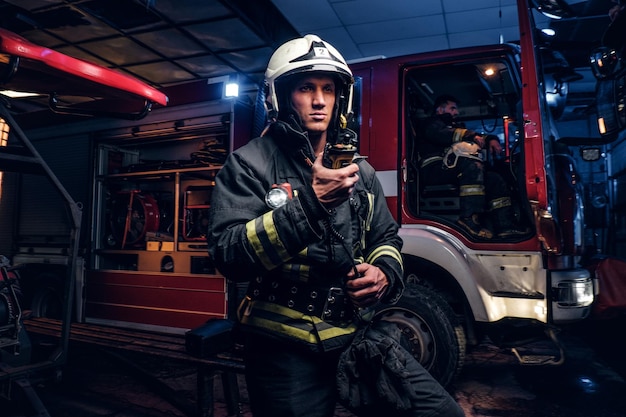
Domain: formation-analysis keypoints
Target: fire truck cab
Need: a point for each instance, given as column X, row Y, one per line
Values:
column 463, row 289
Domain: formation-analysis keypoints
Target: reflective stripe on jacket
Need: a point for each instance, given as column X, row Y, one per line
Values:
column 300, row 241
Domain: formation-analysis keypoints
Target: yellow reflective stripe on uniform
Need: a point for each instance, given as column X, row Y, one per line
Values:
column 272, row 234
column 334, row 331
column 499, row 203
column 256, row 245
column 279, row 327
column 458, row 134
column 384, row 250
column 467, row 190
column 275, row 317
column 275, row 244
column 370, row 211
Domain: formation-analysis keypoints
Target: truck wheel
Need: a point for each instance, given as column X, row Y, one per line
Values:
column 48, row 303
column 431, row 331
column 48, row 299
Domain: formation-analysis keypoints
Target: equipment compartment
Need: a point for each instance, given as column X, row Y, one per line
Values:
column 152, row 191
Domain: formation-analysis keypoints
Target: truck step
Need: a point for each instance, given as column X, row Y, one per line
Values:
column 550, row 352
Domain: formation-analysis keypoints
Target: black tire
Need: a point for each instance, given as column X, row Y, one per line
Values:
column 48, row 297
column 431, row 331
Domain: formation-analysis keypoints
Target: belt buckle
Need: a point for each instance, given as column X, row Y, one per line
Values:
column 334, row 293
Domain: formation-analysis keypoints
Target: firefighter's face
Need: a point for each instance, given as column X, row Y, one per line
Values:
column 449, row 107
column 313, row 99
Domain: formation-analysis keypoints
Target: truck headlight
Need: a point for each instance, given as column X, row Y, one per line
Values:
column 574, row 293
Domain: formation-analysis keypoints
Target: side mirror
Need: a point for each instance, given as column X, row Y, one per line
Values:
column 556, row 94
column 554, row 9
column 604, row 62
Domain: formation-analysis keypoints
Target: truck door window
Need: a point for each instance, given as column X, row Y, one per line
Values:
column 489, row 103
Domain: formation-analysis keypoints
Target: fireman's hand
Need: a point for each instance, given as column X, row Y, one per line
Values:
column 480, row 141
column 494, row 148
column 333, row 186
column 369, row 287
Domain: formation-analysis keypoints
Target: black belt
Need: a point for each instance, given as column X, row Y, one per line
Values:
column 328, row 303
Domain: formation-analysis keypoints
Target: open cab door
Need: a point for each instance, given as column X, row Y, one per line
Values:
column 609, row 68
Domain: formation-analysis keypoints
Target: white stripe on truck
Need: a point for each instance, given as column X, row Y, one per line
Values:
column 389, row 181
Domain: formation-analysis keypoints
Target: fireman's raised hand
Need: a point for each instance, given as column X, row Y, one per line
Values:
column 333, row 186
column 368, row 287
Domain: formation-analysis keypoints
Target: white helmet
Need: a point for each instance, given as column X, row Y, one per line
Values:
column 302, row 55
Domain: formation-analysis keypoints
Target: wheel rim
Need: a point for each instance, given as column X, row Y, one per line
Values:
column 48, row 304
column 417, row 337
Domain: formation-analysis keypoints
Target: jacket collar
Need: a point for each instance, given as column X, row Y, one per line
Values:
column 290, row 137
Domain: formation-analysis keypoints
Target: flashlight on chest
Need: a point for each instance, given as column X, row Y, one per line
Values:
column 278, row 195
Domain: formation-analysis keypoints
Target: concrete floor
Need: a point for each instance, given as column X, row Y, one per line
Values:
column 591, row 383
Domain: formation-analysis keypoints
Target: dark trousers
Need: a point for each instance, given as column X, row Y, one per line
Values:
column 284, row 381
column 467, row 172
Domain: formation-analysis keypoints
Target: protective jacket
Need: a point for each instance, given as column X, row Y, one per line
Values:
column 441, row 162
column 296, row 256
column 439, row 133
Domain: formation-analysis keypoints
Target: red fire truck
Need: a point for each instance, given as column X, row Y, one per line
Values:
column 510, row 290
column 145, row 260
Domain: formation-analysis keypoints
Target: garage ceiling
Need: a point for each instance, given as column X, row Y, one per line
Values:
column 174, row 42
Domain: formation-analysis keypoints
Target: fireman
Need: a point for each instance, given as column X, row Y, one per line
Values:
column 450, row 153
column 317, row 245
